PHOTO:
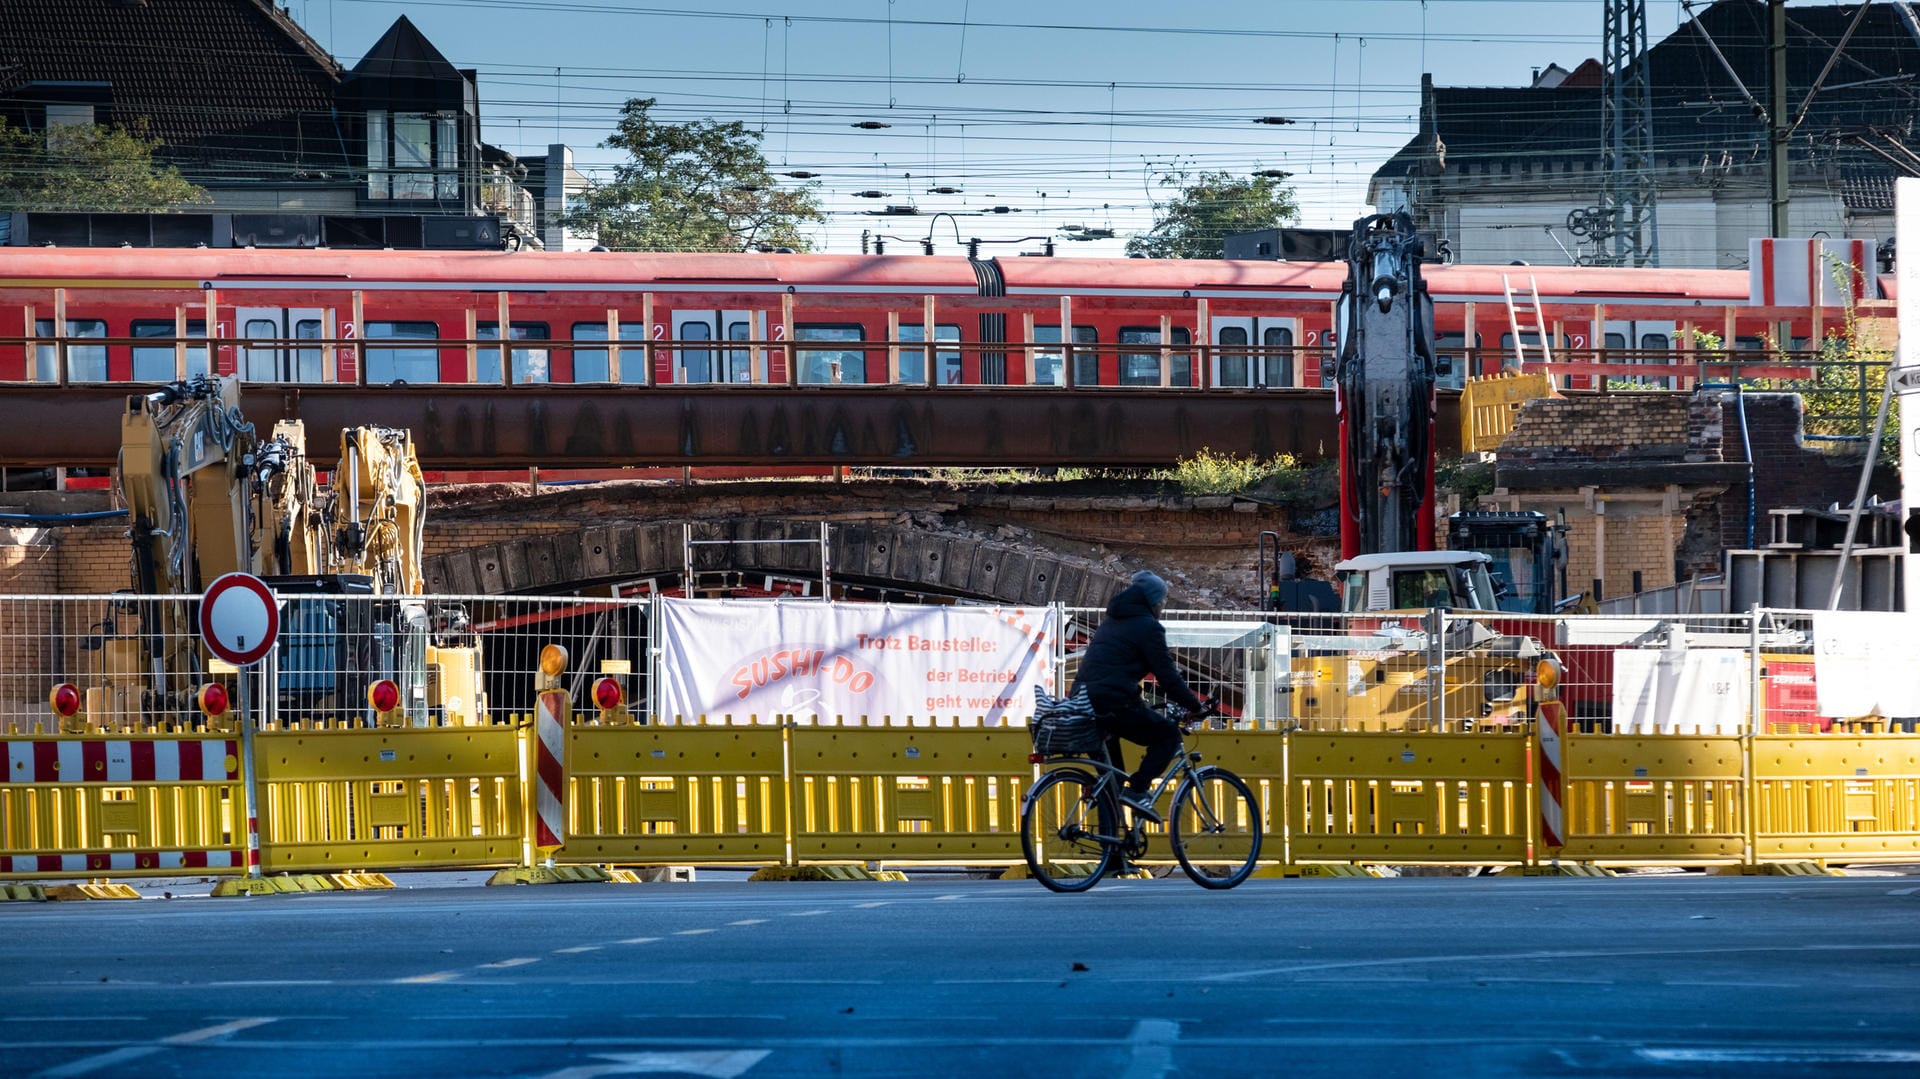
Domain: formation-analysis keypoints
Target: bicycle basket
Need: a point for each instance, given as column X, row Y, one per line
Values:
column 1064, row 725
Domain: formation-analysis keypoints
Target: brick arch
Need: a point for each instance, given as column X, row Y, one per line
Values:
column 871, row 554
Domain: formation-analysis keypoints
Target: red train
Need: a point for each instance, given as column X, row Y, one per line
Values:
column 715, row 318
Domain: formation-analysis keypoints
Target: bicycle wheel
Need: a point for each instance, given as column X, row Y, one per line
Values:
column 1215, row 828
column 1060, row 830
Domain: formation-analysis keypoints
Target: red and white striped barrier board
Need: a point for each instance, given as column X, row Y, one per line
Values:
column 1791, row 273
column 101, row 760
column 1553, row 729
column 550, row 775
column 104, row 861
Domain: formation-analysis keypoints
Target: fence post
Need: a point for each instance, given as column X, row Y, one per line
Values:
column 1754, row 702
column 1437, row 668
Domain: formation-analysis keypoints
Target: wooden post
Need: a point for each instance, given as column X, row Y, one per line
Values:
column 893, row 348
column 1472, row 343
column 926, row 323
column 212, row 299
column 1066, row 343
column 506, row 331
column 613, row 348
column 180, row 342
column 359, row 338
column 1203, row 342
column 60, row 337
column 1026, row 321
column 648, row 352
column 330, row 356
column 757, row 331
column 32, row 348
column 786, row 322
column 1819, row 326
column 473, row 348
column 1166, row 351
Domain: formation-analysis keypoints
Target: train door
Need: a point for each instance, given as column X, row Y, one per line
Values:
column 698, row 363
column 266, row 357
column 1645, row 343
column 1267, row 363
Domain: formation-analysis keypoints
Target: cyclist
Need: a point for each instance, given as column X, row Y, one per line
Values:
column 1129, row 644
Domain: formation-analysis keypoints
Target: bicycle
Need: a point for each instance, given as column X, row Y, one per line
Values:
column 1070, row 822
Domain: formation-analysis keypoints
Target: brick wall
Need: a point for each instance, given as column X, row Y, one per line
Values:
column 1637, row 427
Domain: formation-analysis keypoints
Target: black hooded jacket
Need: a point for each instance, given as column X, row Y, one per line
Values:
column 1129, row 644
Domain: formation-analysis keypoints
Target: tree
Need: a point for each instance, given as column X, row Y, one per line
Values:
column 700, row 186
column 83, row 167
column 1209, row 207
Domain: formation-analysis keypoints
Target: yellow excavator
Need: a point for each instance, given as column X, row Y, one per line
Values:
column 207, row 497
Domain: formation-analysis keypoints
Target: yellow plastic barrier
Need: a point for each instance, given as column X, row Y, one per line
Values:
column 1488, row 407
column 155, row 806
column 1653, row 798
column 1846, row 798
column 676, row 794
column 905, row 794
column 1408, row 798
column 390, row 799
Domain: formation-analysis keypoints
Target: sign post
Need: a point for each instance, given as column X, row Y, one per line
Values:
column 240, row 623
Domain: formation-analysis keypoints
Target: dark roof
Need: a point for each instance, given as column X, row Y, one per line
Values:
column 1698, row 110
column 404, row 72
column 234, row 89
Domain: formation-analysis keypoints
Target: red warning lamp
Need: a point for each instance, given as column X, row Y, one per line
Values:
column 213, row 699
column 65, row 700
column 384, row 695
column 607, row 694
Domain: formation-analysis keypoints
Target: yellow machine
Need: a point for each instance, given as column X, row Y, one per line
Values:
column 207, row 497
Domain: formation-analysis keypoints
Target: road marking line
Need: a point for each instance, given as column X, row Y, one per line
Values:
column 1904, row 891
column 806, row 913
column 870, row 906
column 938, row 898
column 1509, row 957
column 694, row 932
column 1152, row 1041
column 268, row 982
column 749, row 921
column 1782, row 1055
column 505, row 963
column 578, row 950
column 424, row 979
column 100, row 1060
column 638, row 940
column 716, row 1064
column 817, row 981
column 193, row 1037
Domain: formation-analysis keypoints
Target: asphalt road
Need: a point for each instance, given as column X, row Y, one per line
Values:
column 1678, row 975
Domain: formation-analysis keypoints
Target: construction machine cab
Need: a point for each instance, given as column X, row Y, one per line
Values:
column 1527, row 554
column 1416, row 580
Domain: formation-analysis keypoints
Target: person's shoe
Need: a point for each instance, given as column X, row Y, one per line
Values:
column 1141, row 805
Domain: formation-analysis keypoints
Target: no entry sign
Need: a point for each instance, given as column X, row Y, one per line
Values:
column 239, row 620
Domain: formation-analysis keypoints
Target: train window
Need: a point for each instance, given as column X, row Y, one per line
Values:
column 591, row 364
column 1750, row 344
column 1233, row 367
column 739, row 360
column 1279, row 365
column 529, row 364
column 1656, row 340
column 265, row 360
column 696, row 364
column 85, row 363
column 1453, row 346
column 154, row 363
column 913, row 362
column 827, row 366
column 403, row 363
column 1616, row 340
column 1143, row 368
column 1046, row 365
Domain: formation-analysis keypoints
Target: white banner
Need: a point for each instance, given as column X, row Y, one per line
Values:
column 1863, row 664
column 813, row 660
column 1694, row 691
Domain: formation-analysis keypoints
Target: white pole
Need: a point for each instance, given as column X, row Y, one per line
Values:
column 1906, row 366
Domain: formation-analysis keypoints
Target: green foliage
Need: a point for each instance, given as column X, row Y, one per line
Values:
column 699, row 186
column 1208, row 207
column 1466, row 477
column 88, row 168
column 1210, row 473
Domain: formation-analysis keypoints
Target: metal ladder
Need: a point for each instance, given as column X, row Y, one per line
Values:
column 1528, row 304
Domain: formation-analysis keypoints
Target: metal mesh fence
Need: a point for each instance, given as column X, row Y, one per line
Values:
column 137, row 662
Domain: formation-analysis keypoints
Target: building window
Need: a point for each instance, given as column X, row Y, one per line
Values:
column 529, row 364
column 413, row 155
column 154, row 363
column 85, row 363
column 591, row 364
column 828, row 366
column 404, row 363
column 913, row 361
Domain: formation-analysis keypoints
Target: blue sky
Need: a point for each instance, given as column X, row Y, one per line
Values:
column 1064, row 111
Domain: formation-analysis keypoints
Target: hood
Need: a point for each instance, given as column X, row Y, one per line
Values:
column 1130, row 603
